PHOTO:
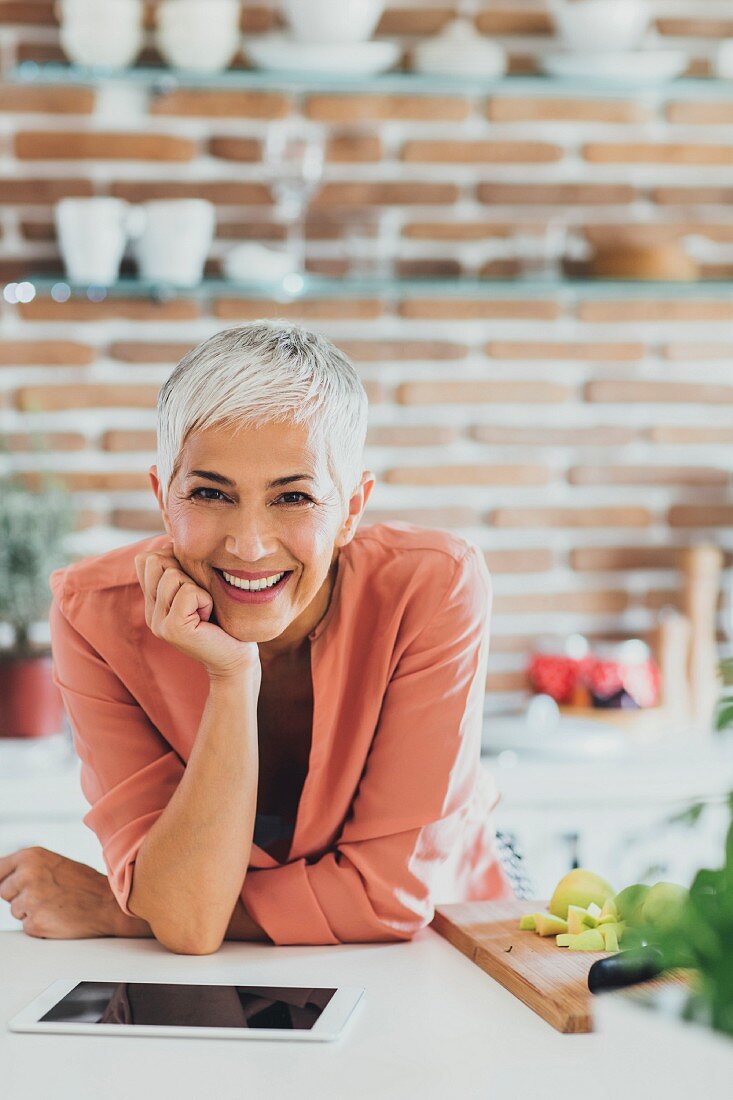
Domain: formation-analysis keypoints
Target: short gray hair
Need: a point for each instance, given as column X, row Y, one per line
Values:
column 262, row 372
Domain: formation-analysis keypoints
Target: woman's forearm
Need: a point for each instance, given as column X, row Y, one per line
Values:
column 241, row 926
column 191, row 866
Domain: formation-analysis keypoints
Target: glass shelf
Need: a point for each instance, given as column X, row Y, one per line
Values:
column 296, row 287
column 163, row 79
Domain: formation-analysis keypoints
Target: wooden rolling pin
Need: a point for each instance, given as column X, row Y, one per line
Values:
column 701, row 567
column 671, row 648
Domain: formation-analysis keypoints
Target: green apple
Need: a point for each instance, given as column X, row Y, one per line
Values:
column 563, row 940
column 526, row 923
column 609, row 912
column 590, row 940
column 610, row 939
column 547, row 924
column 629, row 903
column 576, row 919
column 663, row 904
column 579, row 887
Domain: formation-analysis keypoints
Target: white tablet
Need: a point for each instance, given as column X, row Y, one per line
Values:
column 192, row 1011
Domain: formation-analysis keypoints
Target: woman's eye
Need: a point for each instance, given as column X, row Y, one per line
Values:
column 195, row 495
column 205, row 489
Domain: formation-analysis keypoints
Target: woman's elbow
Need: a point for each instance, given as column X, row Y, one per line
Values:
column 188, row 947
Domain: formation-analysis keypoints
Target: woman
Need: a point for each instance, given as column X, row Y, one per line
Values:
column 278, row 714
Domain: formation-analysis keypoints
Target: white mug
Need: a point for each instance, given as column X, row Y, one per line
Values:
column 92, row 234
column 172, row 239
column 106, row 33
column 202, row 35
column 589, row 25
column 333, row 20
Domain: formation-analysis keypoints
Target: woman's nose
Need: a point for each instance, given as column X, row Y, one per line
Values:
column 251, row 541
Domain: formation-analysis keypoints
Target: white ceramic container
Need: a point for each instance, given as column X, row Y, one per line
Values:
column 92, row 234
column 200, row 35
column 100, row 33
column 172, row 239
column 333, row 20
column 587, row 25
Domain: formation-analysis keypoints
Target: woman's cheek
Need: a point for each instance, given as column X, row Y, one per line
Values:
column 194, row 544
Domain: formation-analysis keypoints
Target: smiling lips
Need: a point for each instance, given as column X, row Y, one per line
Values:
column 256, row 595
column 251, row 576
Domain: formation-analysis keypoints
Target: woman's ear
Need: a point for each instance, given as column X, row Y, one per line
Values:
column 158, row 491
column 357, row 504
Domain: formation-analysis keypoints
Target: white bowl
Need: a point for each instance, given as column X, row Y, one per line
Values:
column 106, row 47
column 205, row 52
column 105, row 13
column 459, row 50
column 600, row 24
column 252, row 262
column 333, row 20
column 198, row 16
column 636, row 66
column 278, row 53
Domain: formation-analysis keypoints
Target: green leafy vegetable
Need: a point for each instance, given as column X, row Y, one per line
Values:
column 702, row 938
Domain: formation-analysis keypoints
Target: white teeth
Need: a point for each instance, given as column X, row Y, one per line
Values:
column 252, row 586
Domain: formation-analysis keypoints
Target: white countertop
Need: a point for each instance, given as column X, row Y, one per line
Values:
column 430, row 1025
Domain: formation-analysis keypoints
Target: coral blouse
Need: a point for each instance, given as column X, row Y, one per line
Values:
column 395, row 813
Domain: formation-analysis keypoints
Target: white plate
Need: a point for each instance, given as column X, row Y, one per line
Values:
column 279, row 53
column 574, row 739
column 639, row 66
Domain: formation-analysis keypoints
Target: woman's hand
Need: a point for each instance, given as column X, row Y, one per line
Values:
column 178, row 611
column 55, row 897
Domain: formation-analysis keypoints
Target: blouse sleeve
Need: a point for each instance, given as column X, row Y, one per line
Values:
column 128, row 770
column 411, row 805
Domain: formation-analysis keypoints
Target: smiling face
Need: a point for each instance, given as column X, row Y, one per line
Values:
column 240, row 522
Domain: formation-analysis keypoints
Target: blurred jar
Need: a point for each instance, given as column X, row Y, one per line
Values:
column 610, row 675
column 621, row 676
column 554, row 668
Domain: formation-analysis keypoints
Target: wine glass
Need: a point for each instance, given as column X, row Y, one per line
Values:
column 294, row 159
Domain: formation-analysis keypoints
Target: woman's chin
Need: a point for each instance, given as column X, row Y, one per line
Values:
column 252, row 633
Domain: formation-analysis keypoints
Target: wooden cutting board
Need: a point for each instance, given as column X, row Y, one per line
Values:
column 551, row 980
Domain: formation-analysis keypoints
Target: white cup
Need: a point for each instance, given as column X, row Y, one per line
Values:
column 106, row 33
column 599, row 25
column 252, row 262
column 172, row 239
column 92, row 234
column 201, row 35
column 333, row 20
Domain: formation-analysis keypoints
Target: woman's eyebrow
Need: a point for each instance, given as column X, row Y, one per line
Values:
column 210, row 475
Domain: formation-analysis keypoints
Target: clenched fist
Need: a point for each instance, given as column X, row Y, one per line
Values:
column 178, row 610
column 57, row 898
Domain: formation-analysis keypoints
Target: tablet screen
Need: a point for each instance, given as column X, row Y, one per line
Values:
column 244, row 1006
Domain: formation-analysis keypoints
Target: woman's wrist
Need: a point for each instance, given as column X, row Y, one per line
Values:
column 247, row 677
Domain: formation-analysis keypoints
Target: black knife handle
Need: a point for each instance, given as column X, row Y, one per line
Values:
column 625, row 968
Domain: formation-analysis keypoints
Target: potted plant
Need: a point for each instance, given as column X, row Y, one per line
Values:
column 33, row 525
column 697, row 941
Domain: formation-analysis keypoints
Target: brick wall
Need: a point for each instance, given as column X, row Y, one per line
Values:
column 580, row 442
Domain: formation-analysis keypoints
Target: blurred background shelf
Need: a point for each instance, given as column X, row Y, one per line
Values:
column 692, row 88
column 317, row 286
